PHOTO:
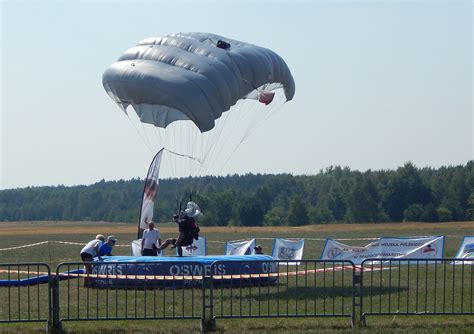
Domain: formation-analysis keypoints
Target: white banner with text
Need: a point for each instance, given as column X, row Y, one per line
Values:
column 393, row 248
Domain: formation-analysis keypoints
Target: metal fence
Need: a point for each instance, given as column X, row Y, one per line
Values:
column 305, row 288
column 22, row 298
column 126, row 291
column 258, row 289
column 416, row 287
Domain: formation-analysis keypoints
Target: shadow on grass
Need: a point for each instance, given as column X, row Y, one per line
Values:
column 310, row 293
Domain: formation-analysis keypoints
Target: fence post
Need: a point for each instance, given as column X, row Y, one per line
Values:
column 357, row 291
column 54, row 312
column 208, row 322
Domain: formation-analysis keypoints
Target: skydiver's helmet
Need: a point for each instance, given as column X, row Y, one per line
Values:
column 193, row 210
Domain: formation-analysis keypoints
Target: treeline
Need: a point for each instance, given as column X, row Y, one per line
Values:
column 334, row 195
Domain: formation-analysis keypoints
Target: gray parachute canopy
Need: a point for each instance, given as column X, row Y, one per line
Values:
column 193, row 76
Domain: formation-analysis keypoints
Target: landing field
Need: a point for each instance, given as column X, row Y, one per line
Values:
column 14, row 234
column 23, row 233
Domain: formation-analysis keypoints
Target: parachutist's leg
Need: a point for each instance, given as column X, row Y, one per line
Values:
column 180, row 251
column 167, row 243
column 164, row 244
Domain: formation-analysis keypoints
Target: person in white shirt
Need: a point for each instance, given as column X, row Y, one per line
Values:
column 88, row 252
column 151, row 241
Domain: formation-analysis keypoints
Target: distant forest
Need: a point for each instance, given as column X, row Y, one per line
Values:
column 333, row 195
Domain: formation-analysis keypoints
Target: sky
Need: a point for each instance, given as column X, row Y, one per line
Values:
column 378, row 84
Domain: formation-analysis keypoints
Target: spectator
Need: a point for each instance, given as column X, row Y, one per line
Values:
column 106, row 248
column 151, row 241
column 88, row 252
column 258, row 250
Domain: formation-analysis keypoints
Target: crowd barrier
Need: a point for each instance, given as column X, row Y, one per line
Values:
column 281, row 289
column 416, row 287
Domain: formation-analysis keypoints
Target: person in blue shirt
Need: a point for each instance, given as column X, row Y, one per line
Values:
column 106, row 248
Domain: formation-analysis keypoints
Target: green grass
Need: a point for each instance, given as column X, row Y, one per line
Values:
column 392, row 290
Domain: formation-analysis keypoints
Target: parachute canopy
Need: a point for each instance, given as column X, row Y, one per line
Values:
column 194, row 76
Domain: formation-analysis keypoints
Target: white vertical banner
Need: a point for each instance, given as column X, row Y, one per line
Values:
column 288, row 249
column 136, row 247
column 244, row 247
column 150, row 190
column 197, row 248
column 466, row 251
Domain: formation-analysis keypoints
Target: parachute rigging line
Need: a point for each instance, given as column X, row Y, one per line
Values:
column 184, row 155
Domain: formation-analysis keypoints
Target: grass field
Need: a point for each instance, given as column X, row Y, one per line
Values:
column 21, row 233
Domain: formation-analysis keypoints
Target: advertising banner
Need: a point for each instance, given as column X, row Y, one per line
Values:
column 244, row 247
column 466, row 251
column 150, row 190
column 284, row 249
column 396, row 248
column 197, row 248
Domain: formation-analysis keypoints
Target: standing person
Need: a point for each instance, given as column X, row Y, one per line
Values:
column 88, row 252
column 188, row 228
column 106, row 248
column 151, row 241
column 258, row 250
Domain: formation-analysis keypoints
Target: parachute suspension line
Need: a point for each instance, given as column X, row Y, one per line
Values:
column 149, row 143
column 184, row 155
column 215, row 137
column 139, row 134
column 208, row 142
column 259, row 118
column 163, row 144
column 172, row 158
column 237, row 124
column 258, row 123
column 192, row 144
column 228, row 159
column 215, row 151
column 222, row 127
column 267, row 116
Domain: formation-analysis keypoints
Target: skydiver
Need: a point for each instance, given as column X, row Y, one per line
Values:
column 188, row 228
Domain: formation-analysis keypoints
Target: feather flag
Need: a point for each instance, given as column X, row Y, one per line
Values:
column 149, row 193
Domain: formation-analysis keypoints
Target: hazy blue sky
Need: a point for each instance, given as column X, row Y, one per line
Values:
column 378, row 84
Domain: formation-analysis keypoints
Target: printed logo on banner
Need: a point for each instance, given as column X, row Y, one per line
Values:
column 285, row 253
column 335, row 253
column 429, row 250
column 469, row 248
column 192, row 248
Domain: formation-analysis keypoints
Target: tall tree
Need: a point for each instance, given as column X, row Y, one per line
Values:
column 298, row 215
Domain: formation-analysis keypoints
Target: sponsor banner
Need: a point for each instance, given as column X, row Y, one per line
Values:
column 139, row 274
column 466, row 251
column 244, row 247
column 137, row 246
column 396, row 248
column 284, row 249
column 197, row 248
column 150, row 190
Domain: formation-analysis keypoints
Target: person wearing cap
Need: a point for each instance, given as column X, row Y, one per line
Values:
column 106, row 248
column 151, row 241
column 258, row 250
column 88, row 252
column 91, row 249
column 188, row 228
